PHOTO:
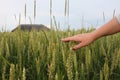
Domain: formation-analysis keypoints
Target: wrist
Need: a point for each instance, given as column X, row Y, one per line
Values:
column 95, row 35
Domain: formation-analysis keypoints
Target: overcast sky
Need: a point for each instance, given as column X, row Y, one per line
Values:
column 88, row 11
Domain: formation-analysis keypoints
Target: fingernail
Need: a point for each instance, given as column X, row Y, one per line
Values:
column 73, row 49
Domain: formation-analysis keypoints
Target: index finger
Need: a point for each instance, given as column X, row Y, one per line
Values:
column 68, row 39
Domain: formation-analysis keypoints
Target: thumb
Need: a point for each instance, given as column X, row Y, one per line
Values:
column 80, row 45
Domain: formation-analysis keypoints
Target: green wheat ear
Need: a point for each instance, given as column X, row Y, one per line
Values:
column 12, row 72
column 101, row 75
column 24, row 74
column 106, row 71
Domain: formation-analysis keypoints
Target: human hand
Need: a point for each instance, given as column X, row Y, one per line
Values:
column 82, row 39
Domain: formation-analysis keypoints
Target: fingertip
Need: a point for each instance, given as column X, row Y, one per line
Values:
column 77, row 47
column 62, row 40
column 74, row 48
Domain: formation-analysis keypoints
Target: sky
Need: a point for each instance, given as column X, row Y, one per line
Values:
column 83, row 13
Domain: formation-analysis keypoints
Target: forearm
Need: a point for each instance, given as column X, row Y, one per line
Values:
column 109, row 28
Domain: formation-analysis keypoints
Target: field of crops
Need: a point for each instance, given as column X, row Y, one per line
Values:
column 42, row 56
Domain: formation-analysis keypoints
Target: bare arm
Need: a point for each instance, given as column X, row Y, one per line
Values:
column 85, row 39
column 109, row 28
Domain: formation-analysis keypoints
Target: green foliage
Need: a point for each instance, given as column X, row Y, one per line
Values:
column 42, row 56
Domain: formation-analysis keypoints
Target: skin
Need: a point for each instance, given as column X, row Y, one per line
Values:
column 85, row 39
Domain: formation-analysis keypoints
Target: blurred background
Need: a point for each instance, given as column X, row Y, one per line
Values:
column 82, row 13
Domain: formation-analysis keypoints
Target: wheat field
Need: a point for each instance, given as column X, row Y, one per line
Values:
column 42, row 56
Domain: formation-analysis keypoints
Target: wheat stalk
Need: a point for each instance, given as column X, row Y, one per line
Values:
column 30, row 20
column 34, row 10
column 51, row 14
column 19, row 19
column 114, row 13
column 103, row 16
column 25, row 12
